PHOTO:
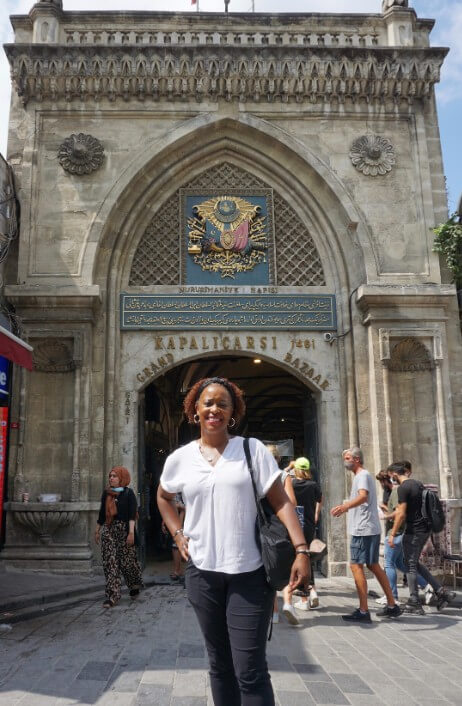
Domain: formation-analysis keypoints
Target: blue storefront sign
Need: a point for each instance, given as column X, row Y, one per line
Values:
column 4, row 377
column 304, row 312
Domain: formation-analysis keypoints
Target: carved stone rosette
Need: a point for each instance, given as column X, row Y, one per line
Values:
column 372, row 155
column 81, row 154
column 45, row 523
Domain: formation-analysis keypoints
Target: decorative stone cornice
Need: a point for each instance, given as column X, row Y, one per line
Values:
column 317, row 75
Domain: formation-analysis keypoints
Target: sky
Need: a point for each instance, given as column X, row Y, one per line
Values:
column 447, row 32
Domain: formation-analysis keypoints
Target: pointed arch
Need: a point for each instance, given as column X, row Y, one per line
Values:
column 304, row 179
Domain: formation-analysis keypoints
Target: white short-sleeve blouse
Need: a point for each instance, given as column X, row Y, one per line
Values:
column 220, row 505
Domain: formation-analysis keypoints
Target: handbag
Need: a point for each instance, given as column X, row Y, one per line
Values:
column 277, row 551
column 318, row 550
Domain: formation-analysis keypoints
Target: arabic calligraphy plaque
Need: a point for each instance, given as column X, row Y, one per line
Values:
column 305, row 312
column 227, row 237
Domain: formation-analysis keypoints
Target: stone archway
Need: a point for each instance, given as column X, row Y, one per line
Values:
column 133, row 358
column 280, row 409
column 147, row 357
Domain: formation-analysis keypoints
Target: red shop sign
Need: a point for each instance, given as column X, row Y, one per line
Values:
column 3, row 436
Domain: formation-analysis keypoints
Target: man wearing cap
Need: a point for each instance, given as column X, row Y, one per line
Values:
column 364, row 528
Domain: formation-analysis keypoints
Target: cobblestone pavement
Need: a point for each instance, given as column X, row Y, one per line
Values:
column 150, row 652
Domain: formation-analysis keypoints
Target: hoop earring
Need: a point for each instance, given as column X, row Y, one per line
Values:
column 233, row 423
column 196, row 419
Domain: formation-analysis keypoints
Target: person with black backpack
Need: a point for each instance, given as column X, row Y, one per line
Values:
column 423, row 515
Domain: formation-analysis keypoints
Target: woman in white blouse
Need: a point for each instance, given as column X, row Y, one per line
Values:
column 225, row 579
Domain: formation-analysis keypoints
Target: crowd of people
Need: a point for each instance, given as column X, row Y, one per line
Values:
column 209, row 509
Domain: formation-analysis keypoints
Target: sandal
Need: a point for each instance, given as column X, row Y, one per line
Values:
column 109, row 604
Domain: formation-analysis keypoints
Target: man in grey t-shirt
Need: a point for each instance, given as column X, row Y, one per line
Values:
column 364, row 528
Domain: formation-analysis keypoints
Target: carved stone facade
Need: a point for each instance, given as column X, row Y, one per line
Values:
column 333, row 117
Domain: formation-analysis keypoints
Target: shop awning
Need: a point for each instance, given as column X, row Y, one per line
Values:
column 14, row 349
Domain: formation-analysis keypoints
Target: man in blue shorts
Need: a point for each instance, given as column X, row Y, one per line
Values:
column 364, row 528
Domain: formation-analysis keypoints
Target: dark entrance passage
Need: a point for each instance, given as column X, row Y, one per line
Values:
column 280, row 408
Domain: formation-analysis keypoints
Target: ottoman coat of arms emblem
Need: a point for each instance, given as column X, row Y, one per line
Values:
column 227, row 235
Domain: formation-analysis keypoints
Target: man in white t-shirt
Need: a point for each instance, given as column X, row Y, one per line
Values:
column 364, row 528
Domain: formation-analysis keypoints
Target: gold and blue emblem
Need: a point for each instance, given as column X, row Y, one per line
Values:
column 227, row 237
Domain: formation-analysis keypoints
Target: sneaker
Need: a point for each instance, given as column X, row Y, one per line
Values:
column 387, row 612
column 314, row 600
column 382, row 600
column 444, row 598
column 429, row 596
column 302, row 605
column 413, row 608
column 289, row 613
column 358, row 617
column 275, row 618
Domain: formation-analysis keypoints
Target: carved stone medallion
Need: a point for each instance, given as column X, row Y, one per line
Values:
column 372, row 155
column 81, row 154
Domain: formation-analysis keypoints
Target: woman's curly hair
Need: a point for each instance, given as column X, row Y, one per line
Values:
column 236, row 394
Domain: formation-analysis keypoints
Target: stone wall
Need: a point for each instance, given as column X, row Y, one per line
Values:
column 113, row 112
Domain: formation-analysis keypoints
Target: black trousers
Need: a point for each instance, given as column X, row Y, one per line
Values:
column 234, row 612
column 412, row 549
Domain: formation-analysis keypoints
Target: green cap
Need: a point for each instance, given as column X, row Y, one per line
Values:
column 302, row 464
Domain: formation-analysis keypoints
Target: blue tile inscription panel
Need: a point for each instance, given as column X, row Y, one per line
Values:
column 303, row 312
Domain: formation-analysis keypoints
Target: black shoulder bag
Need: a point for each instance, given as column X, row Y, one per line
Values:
column 277, row 551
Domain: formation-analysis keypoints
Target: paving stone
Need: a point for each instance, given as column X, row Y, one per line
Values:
column 125, row 679
column 150, row 694
column 326, row 693
column 287, row 681
column 97, row 671
column 189, row 683
column 294, row 698
column 279, row 663
column 158, row 676
column 365, row 700
column 188, row 701
column 162, row 658
column 351, row 683
column 116, row 698
column 186, row 649
column 312, row 672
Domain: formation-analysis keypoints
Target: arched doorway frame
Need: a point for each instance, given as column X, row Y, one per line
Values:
column 135, row 376
column 187, row 151
column 303, row 179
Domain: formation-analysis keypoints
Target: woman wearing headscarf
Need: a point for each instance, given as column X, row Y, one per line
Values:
column 225, row 579
column 116, row 528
